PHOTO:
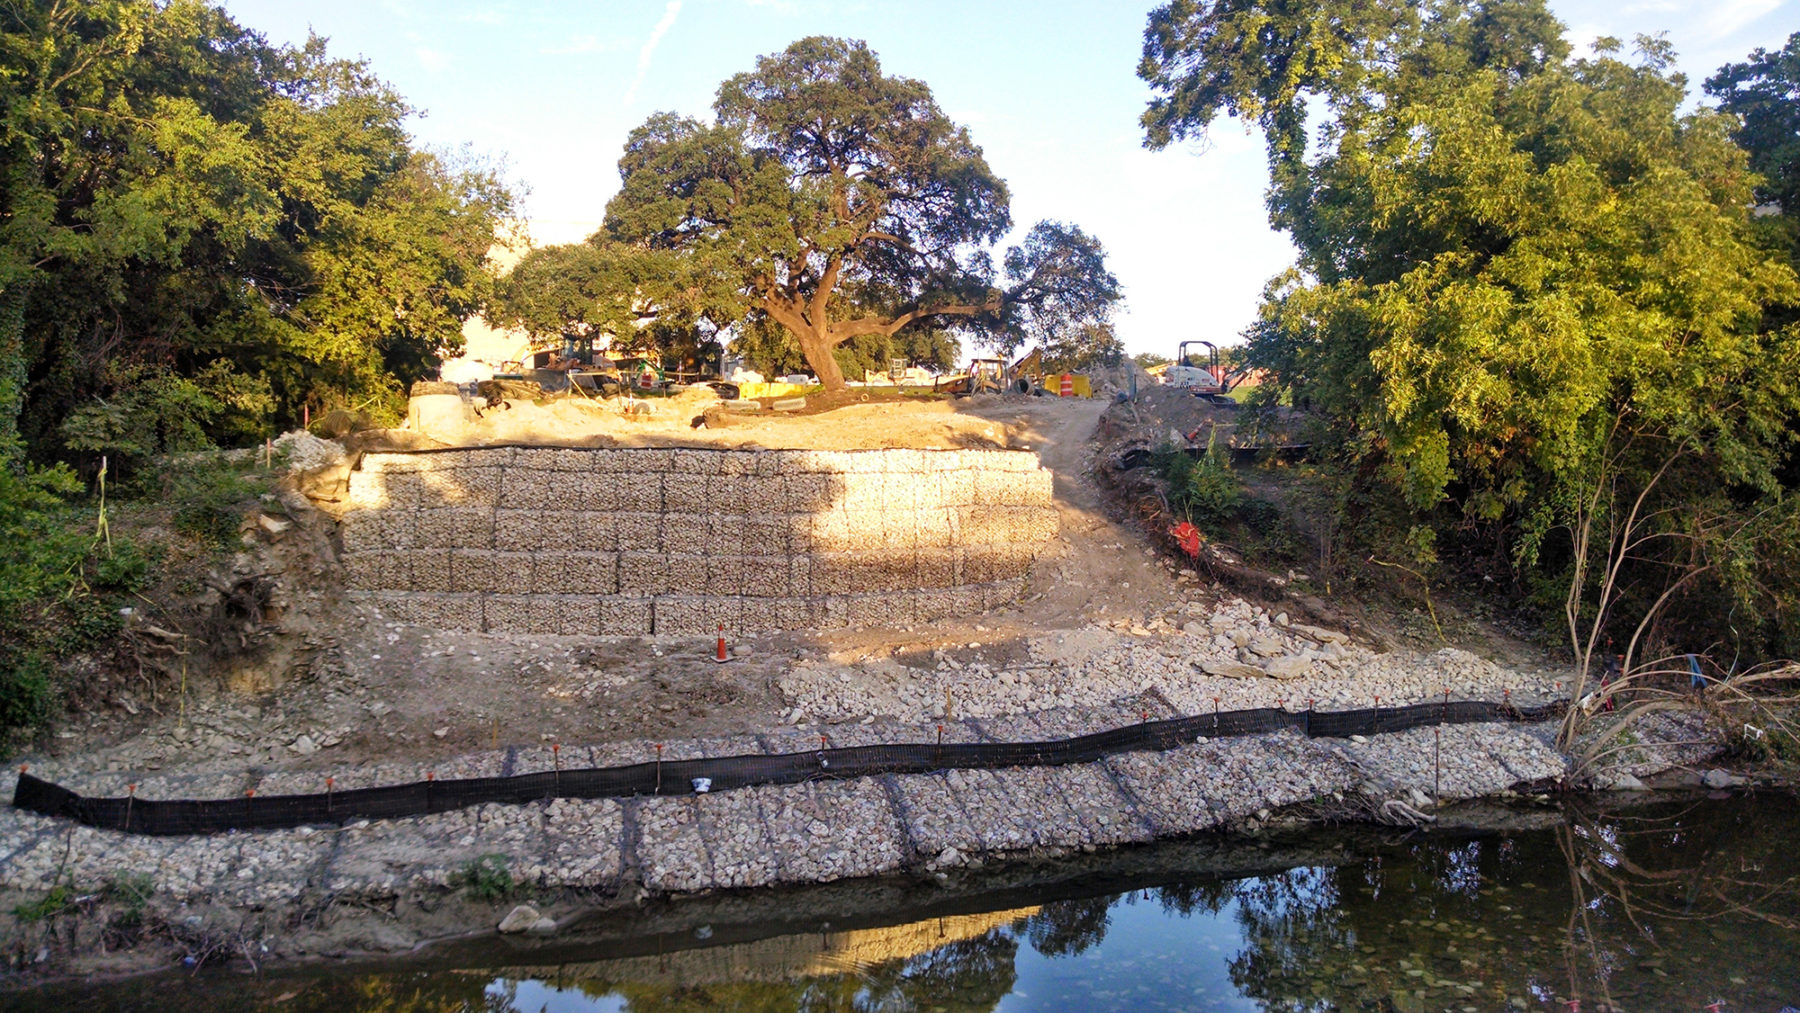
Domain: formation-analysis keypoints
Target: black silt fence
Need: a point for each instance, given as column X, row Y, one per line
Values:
column 676, row 777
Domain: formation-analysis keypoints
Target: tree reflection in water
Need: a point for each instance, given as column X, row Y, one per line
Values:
column 1652, row 908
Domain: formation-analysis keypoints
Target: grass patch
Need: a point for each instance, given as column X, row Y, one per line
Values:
column 487, row 879
column 54, row 902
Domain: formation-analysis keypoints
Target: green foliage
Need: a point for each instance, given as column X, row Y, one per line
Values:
column 486, row 879
column 55, row 901
column 132, row 892
column 205, row 233
column 1521, row 276
column 1762, row 93
column 61, row 588
column 837, row 203
column 1202, row 488
column 209, row 495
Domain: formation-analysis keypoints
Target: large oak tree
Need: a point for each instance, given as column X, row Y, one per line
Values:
column 840, row 202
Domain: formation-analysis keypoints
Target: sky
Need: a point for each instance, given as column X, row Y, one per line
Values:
column 1048, row 89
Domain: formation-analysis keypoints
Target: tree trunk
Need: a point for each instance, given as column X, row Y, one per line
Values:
column 816, row 346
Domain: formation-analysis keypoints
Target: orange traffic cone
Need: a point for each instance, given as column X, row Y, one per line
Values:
column 722, row 657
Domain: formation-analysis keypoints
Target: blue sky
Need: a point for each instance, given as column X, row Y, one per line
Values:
column 1048, row 89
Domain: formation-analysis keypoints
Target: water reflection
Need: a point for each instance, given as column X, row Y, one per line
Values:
column 1650, row 909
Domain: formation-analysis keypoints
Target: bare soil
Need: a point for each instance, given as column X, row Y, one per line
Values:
column 332, row 686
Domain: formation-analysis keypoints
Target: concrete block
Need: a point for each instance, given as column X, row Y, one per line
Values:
column 693, row 614
column 524, row 488
column 448, row 528
column 592, row 492
column 799, row 533
column 506, row 613
column 638, row 532
column 881, row 610
column 810, row 492
column 764, row 576
column 430, row 570
column 460, row 487
column 863, row 492
column 639, row 492
column 362, row 571
column 686, row 532
column 724, row 535
column 571, row 460
column 643, row 574
column 764, row 533
column 576, row 573
column 608, row 461
column 687, row 574
column 624, row 617
column 360, row 531
column 774, row 463
column 487, row 457
column 938, row 567
column 692, row 462
column 686, row 493
column 544, row 614
column 519, row 530
column 594, row 531
column 534, row 459
column 726, row 574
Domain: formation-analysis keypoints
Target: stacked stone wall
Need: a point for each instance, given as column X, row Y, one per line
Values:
column 623, row 542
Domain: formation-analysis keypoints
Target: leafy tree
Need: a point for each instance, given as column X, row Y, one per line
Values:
column 1764, row 93
column 840, row 203
column 182, row 198
column 1512, row 263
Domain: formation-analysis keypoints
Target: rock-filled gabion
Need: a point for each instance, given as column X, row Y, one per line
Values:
column 626, row 542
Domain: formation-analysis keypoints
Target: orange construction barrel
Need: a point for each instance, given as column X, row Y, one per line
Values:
column 1068, row 385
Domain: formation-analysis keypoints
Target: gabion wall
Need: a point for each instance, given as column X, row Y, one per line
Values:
column 638, row 541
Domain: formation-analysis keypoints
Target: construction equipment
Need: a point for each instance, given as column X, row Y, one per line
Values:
column 1210, row 381
column 984, row 376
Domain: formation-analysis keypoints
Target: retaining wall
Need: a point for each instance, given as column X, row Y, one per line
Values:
column 623, row 542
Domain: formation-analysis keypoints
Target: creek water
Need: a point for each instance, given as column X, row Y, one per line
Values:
column 1665, row 905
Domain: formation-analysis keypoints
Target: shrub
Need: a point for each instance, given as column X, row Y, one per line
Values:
column 54, row 902
column 486, row 878
column 1201, row 489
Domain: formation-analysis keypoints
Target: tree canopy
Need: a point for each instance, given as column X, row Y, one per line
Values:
column 1513, row 264
column 201, row 233
column 839, row 203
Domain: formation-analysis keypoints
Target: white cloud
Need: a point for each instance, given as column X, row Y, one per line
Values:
column 1731, row 15
column 656, row 36
column 432, row 59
